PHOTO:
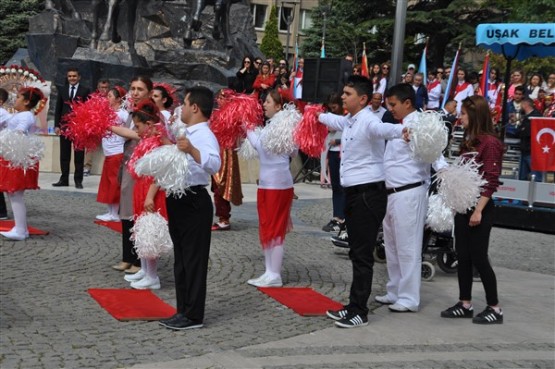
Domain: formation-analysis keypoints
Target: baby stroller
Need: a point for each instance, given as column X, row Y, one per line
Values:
column 437, row 249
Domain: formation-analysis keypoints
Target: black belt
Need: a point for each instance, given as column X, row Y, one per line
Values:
column 197, row 188
column 405, row 187
column 375, row 186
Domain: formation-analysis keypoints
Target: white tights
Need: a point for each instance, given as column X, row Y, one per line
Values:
column 19, row 211
column 273, row 259
column 150, row 267
column 113, row 209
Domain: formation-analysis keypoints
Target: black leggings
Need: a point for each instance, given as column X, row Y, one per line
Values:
column 471, row 244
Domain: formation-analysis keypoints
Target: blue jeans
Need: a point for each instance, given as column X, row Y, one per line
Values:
column 525, row 169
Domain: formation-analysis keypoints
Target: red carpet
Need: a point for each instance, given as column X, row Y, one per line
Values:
column 6, row 225
column 127, row 304
column 114, row 226
column 303, row 301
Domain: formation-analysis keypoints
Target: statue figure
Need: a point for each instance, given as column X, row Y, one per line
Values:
column 65, row 4
column 221, row 21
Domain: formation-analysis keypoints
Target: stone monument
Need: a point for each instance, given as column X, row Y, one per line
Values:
column 171, row 41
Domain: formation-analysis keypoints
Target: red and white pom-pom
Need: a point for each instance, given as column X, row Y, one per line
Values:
column 460, row 184
column 89, row 121
column 439, row 218
column 235, row 113
column 310, row 135
column 169, row 166
column 21, row 150
column 428, row 136
column 246, row 150
column 277, row 136
column 151, row 235
column 144, row 146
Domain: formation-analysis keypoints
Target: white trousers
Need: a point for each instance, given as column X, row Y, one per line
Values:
column 403, row 231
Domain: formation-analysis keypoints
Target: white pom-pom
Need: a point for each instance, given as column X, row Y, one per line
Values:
column 169, row 166
column 21, row 150
column 246, row 150
column 460, row 183
column 428, row 136
column 151, row 235
column 277, row 136
column 439, row 217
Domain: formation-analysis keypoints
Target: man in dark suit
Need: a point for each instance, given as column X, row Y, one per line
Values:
column 71, row 91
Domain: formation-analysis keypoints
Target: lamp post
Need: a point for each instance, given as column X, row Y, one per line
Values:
column 288, row 21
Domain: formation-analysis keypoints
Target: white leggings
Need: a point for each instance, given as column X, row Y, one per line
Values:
column 19, row 211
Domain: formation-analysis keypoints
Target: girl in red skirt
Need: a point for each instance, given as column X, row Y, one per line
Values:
column 146, row 194
column 112, row 146
column 15, row 181
column 274, row 199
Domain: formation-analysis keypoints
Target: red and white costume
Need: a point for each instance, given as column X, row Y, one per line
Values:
column 112, row 146
column 462, row 91
column 434, row 94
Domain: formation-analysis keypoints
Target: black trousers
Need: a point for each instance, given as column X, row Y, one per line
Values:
column 364, row 213
column 129, row 255
column 190, row 223
column 3, row 208
column 338, row 195
column 65, row 158
column 471, row 244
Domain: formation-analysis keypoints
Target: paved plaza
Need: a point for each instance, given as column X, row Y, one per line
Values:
column 48, row 320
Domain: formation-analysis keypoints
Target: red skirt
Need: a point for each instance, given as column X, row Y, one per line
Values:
column 109, row 188
column 17, row 179
column 140, row 190
column 274, row 216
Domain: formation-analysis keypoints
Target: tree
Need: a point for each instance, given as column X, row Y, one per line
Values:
column 14, row 24
column 271, row 46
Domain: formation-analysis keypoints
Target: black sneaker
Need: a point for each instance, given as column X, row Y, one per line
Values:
column 332, row 226
column 488, row 316
column 337, row 314
column 352, row 321
column 180, row 322
column 342, row 239
column 458, row 311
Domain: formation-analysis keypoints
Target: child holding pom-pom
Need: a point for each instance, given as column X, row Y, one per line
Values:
column 109, row 188
column 15, row 180
column 472, row 228
column 274, row 197
column 147, row 197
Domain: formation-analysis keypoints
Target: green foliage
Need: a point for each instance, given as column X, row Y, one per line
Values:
column 271, row 46
column 14, row 23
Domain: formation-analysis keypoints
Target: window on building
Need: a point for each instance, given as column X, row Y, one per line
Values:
column 258, row 12
column 283, row 13
column 306, row 19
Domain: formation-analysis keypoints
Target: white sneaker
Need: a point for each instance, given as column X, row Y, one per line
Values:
column 255, row 280
column 14, row 236
column 384, row 300
column 104, row 217
column 146, row 284
column 268, row 282
column 135, row 277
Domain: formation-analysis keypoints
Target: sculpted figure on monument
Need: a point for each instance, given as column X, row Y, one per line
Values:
column 60, row 6
column 221, row 21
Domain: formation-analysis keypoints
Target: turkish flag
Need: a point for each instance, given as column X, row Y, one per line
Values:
column 542, row 150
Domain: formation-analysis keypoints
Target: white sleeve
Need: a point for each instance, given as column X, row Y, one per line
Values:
column 386, row 131
column 333, row 121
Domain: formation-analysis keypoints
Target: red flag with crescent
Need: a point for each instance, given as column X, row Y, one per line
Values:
column 542, row 150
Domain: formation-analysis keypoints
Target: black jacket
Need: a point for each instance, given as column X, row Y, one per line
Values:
column 524, row 132
column 62, row 103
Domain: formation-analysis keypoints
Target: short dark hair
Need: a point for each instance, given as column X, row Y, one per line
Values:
column 528, row 101
column 3, row 95
column 520, row 88
column 362, row 85
column 403, row 92
column 203, row 97
column 73, row 69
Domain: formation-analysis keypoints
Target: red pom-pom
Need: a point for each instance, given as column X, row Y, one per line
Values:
column 89, row 121
column 310, row 135
column 235, row 112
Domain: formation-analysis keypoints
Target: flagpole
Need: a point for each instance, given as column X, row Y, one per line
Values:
column 451, row 77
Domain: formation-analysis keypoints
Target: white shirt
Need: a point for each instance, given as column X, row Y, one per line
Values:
column 362, row 145
column 113, row 144
column 400, row 168
column 4, row 116
column 459, row 97
column 24, row 121
column 274, row 171
column 379, row 113
column 205, row 142
column 74, row 91
column 433, row 97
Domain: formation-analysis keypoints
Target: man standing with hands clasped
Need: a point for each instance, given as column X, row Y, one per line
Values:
column 68, row 93
column 190, row 215
column 362, row 176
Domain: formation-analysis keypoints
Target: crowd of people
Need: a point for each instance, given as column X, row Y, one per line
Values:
column 373, row 183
